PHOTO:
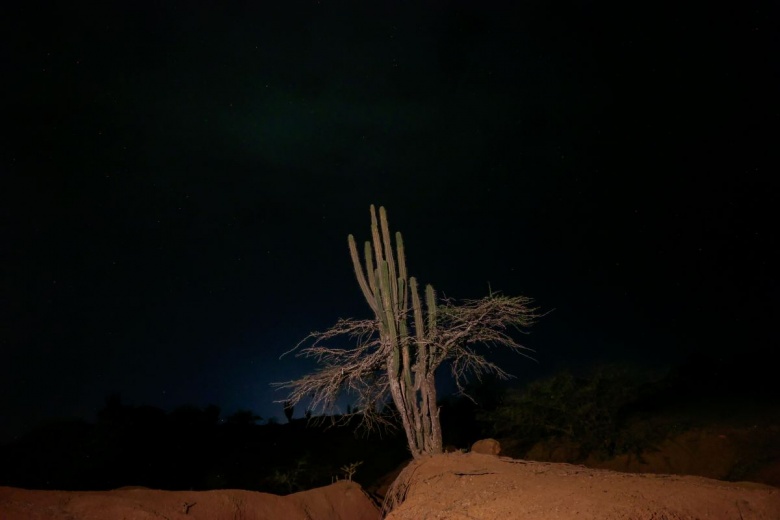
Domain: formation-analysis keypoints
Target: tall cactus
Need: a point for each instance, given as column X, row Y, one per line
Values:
column 400, row 349
column 385, row 283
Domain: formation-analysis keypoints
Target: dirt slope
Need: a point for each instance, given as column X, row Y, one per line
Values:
column 473, row 486
column 340, row 501
column 454, row 486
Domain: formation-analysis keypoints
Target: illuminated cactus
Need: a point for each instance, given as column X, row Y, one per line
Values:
column 387, row 287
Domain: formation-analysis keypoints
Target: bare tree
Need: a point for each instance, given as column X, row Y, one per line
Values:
column 398, row 351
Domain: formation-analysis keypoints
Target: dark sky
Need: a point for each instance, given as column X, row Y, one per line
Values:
column 178, row 181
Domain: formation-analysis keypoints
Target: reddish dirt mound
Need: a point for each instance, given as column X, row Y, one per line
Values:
column 341, row 501
column 473, row 486
column 453, row 486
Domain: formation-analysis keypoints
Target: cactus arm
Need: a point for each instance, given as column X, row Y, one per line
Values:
column 403, row 289
column 419, row 327
column 368, row 291
column 368, row 253
column 419, row 324
column 383, row 282
column 430, row 302
column 388, row 248
column 375, row 236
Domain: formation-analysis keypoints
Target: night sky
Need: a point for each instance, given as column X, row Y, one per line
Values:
column 177, row 182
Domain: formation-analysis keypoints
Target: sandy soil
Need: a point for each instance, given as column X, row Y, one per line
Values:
column 455, row 486
column 343, row 500
column 473, row 486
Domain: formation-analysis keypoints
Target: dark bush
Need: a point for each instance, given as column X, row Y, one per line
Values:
column 592, row 412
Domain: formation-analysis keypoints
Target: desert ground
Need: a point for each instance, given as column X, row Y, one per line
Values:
column 340, row 501
column 474, row 486
column 452, row 486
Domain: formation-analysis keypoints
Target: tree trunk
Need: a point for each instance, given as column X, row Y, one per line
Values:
column 402, row 407
column 431, row 414
column 419, row 414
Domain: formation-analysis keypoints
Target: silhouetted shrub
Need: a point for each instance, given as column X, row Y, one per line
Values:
column 591, row 412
